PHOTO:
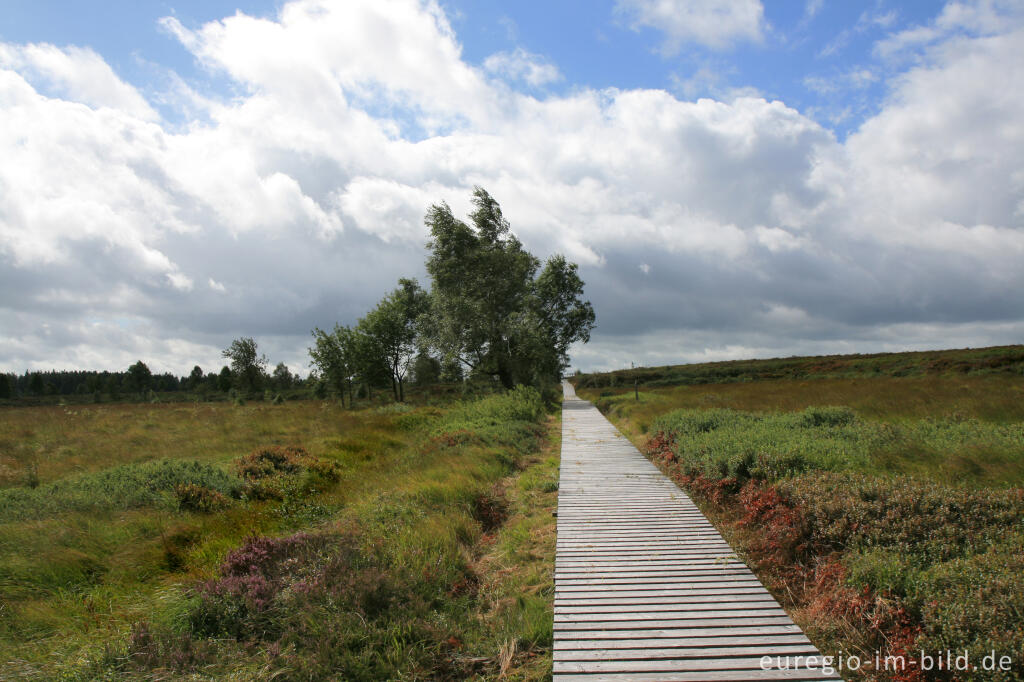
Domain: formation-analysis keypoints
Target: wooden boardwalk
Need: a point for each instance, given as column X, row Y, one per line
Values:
column 645, row 587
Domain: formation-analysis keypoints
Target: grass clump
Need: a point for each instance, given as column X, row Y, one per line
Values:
column 505, row 420
column 198, row 498
column 130, row 486
column 268, row 472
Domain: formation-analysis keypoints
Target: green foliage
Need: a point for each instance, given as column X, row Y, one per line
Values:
column 341, row 358
column 282, row 377
column 488, row 309
column 729, row 443
column 389, row 331
column 124, row 487
column 912, row 518
column 426, row 370
column 247, row 366
column 139, row 377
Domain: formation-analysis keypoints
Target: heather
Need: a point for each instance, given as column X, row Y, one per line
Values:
column 300, row 541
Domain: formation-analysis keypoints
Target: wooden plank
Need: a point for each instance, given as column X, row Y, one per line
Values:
column 696, row 628
column 698, row 676
column 684, row 653
column 669, row 665
column 662, row 643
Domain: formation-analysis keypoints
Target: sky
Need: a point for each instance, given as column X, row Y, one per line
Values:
column 735, row 179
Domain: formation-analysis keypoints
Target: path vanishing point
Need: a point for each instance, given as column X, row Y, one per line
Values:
column 645, row 587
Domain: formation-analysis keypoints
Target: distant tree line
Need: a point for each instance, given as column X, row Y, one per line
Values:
column 492, row 315
column 138, row 382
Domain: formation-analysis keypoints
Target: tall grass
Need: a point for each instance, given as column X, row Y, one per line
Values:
column 366, row 549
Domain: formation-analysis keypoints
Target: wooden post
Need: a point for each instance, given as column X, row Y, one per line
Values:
column 636, row 388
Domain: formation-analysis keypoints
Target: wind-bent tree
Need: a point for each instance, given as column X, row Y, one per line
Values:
column 335, row 358
column 390, row 330
column 247, row 366
column 488, row 310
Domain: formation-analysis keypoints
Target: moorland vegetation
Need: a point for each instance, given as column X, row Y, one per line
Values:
column 295, row 541
column 879, row 497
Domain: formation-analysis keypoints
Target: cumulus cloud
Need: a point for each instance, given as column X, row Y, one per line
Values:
column 711, row 23
column 299, row 202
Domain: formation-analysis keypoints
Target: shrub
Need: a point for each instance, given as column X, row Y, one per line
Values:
column 814, row 417
column 506, row 420
column 266, row 470
column 270, row 461
column 123, row 487
column 197, row 498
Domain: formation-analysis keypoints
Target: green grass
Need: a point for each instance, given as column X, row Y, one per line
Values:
column 410, row 542
column 878, row 497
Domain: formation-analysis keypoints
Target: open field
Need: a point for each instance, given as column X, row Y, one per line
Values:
column 298, row 540
column 1007, row 360
column 886, row 512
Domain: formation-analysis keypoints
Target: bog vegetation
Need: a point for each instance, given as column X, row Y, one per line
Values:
column 880, row 497
column 302, row 541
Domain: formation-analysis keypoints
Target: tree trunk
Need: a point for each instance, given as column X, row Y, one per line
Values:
column 505, row 372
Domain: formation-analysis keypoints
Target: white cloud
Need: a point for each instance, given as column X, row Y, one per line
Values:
column 857, row 78
column 388, row 209
column 520, row 65
column 711, row 23
column 976, row 18
column 77, row 74
column 757, row 232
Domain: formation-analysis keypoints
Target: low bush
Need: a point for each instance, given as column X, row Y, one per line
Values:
column 266, row 471
column 123, row 487
column 197, row 498
column 506, row 420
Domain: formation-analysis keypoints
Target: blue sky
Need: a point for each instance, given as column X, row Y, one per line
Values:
column 735, row 179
